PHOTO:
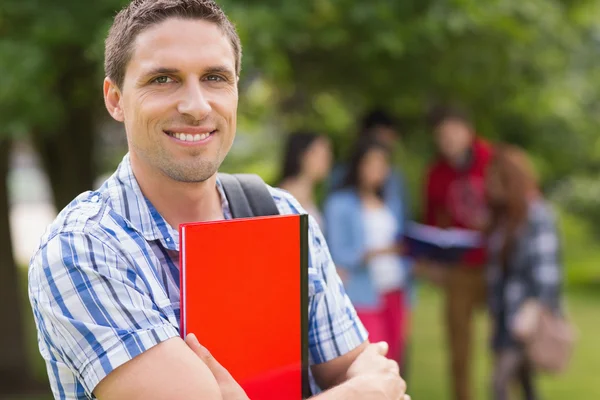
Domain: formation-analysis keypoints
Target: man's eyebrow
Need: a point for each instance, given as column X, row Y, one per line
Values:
column 220, row 69
column 161, row 70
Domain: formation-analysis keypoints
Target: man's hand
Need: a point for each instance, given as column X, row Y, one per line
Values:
column 370, row 377
column 230, row 389
column 372, row 360
column 376, row 377
column 377, row 387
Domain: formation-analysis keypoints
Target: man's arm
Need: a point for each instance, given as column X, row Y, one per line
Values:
column 333, row 373
column 370, row 375
column 104, row 328
column 169, row 370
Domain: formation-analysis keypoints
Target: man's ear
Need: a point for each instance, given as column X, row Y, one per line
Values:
column 112, row 100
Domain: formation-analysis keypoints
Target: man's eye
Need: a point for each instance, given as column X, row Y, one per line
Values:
column 215, row 78
column 162, row 80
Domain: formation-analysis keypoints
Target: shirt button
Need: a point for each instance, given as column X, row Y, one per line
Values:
column 95, row 198
column 168, row 240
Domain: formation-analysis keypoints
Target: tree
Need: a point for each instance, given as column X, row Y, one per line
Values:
column 527, row 69
column 49, row 64
column 55, row 53
column 14, row 368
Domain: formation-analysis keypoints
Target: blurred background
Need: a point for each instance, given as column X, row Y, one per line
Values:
column 528, row 71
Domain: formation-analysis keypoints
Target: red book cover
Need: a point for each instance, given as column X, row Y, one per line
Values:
column 244, row 294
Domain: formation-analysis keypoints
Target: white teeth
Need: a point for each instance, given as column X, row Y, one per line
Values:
column 186, row 137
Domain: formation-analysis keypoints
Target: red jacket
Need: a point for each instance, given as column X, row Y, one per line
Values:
column 456, row 198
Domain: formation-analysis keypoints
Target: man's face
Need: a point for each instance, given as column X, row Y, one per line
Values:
column 179, row 99
column 453, row 139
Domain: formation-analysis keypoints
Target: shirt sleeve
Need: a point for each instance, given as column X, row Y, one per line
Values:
column 405, row 201
column 545, row 258
column 334, row 327
column 430, row 200
column 344, row 247
column 92, row 310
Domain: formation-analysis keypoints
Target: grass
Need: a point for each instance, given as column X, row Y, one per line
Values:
column 581, row 249
column 429, row 377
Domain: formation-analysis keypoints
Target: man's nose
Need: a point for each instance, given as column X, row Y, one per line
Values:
column 194, row 101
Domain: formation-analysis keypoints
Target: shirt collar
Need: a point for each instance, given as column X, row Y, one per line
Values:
column 129, row 201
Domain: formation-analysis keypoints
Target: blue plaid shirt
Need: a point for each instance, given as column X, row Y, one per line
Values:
column 104, row 286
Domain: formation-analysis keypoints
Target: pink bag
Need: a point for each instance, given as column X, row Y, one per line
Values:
column 548, row 338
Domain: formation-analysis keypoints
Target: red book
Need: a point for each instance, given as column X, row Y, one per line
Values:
column 244, row 294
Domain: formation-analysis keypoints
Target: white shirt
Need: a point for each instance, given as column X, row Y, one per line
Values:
column 381, row 229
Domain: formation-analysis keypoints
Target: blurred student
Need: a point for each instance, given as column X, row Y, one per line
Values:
column 362, row 233
column 306, row 163
column 379, row 125
column 455, row 197
column 524, row 262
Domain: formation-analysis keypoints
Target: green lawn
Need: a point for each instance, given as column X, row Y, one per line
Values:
column 428, row 378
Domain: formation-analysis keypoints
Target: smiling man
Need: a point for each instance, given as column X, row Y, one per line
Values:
column 104, row 283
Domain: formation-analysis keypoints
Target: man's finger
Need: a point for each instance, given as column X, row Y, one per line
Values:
column 394, row 367
column 192, row 341
column 381, row 348
column 406, row 397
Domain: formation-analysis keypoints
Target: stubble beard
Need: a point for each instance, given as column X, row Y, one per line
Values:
column 195, row 167
column 191, row 172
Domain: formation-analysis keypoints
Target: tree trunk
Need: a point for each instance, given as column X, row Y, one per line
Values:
column 68, row 151
column 14, row 366
column 68, row 157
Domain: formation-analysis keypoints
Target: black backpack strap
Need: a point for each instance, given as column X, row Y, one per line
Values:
column 248, row 196
column 238, row 203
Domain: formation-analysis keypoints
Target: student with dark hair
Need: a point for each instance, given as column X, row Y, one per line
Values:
column 363, row 235
column 380, row 125
column 455, row 197
column 306, row 162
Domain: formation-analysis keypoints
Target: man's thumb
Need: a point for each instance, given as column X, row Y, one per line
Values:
column 192, row 341
column 382, row 348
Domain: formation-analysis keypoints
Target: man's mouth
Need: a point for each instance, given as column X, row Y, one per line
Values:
column 188, row 137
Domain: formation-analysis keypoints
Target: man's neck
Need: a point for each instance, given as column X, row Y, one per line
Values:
column 179, row 202
column 463, row 161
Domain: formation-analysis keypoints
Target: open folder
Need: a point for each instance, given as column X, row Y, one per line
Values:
column 244, row 294
column 446, row 246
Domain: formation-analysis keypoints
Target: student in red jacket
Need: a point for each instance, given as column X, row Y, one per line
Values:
column 455, row 197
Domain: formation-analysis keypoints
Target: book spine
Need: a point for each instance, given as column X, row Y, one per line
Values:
column 182, row 284
column 306, row 393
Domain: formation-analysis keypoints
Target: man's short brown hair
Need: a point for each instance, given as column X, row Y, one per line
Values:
column 441, row 113
column 142, row 14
